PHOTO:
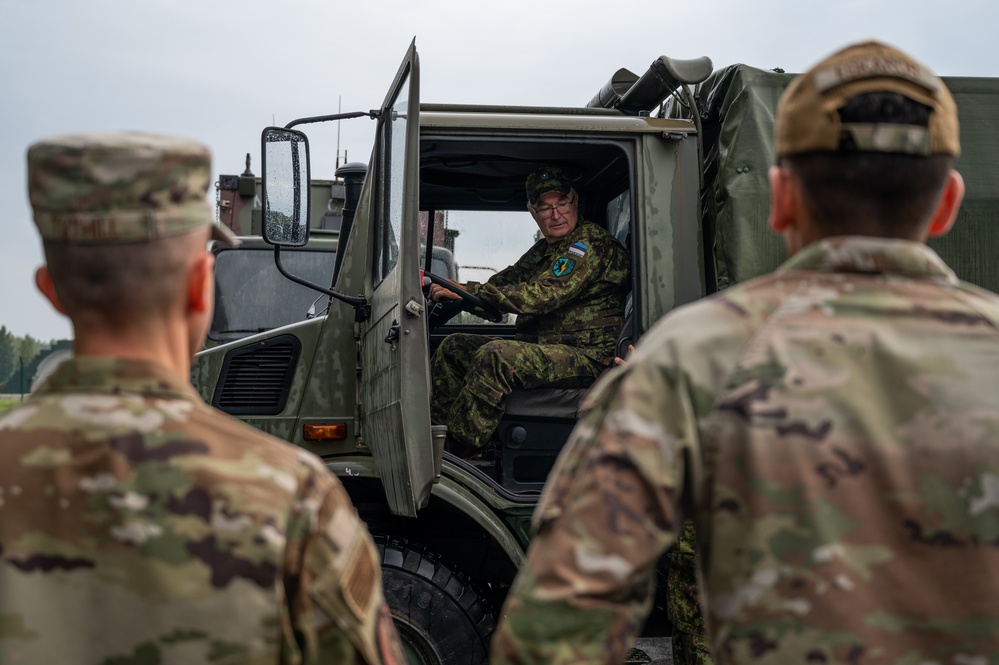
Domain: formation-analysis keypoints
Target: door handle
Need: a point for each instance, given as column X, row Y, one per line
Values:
column 393, row 333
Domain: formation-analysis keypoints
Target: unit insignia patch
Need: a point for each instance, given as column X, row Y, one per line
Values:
column 563, row 266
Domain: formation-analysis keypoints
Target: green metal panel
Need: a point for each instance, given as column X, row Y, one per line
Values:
column 395, row 381
column 670, row 266
column 207, row 366
column 459, row 490
column 971, row 246
column 513, row 118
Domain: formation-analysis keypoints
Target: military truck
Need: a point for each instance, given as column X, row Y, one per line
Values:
column 676, row 173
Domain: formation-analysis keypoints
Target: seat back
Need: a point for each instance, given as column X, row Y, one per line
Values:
column 537, row 423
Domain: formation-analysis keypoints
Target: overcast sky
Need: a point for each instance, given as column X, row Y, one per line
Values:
column 220, row 72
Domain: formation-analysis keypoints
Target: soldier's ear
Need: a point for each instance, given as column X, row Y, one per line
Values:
column 786, row 214
column 201, row 283
column 43, row 280
column 946, row 210
column 199, row 300
column 782, row 195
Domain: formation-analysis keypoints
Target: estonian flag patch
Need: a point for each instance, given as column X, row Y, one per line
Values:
column 578, row 248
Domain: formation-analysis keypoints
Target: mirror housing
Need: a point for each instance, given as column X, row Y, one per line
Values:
column 285, row 186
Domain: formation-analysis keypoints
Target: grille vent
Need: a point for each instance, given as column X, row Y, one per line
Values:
column 255, row 380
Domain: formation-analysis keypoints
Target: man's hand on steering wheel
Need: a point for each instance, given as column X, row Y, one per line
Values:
column 438, row 293
column 445, row 289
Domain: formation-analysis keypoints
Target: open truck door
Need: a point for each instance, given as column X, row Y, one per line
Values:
column 395, row 384
column 384, row 253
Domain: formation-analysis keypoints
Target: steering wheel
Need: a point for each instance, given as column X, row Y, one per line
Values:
column 489, row 312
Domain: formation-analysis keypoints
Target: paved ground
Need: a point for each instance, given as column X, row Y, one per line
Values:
column 657, row 649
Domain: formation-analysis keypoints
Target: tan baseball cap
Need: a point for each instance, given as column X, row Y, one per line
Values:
column 120, row 187
column 808, row 118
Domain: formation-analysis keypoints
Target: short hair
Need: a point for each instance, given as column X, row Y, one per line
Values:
column 853, row 191
column 123, row 282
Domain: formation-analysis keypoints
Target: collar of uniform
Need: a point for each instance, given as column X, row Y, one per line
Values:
column 871, row 255
column 94, row 374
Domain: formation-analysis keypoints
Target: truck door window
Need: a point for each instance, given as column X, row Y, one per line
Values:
column 394, row 154
column 619, row 217
column 483, row 242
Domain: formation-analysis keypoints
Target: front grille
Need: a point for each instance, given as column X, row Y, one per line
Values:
column 255, row 379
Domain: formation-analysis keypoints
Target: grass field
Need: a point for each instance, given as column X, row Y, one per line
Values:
column 8, row 401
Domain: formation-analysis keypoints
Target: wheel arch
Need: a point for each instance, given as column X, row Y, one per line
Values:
column 455, row 524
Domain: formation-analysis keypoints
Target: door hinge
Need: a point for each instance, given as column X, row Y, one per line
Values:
column 414, row 308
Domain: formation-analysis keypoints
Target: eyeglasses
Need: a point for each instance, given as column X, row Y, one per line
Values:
column 547, row 211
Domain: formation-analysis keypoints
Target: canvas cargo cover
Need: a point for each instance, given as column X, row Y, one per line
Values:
column 738, row 105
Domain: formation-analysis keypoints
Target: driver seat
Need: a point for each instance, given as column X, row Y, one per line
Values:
column 537, row 424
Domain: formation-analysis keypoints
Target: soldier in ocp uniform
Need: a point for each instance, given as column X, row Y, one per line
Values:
column 832, row 429
column 568, row 292
column 136, row 523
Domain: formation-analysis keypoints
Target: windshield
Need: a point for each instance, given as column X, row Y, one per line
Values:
column 251, row 296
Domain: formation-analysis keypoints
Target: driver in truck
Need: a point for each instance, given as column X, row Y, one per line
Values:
column 568, row 292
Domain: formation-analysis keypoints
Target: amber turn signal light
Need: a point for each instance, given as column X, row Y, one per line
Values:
column 325, row 432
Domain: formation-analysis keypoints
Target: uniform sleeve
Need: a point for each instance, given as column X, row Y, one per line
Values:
column 549, row 286
column 335, row 602
column 609, row 512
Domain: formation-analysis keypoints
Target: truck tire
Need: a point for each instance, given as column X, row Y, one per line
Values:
column 439, row 615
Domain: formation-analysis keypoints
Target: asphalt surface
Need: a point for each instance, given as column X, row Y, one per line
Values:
column 657, row 649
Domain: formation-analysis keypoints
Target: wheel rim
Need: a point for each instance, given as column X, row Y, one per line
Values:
column 416, row 646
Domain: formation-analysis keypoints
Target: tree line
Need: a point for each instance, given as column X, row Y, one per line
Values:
column 19, row 358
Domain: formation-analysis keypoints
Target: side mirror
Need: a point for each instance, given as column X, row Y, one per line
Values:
column 285, row 176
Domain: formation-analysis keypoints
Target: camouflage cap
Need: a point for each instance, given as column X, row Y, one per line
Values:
column 120, row 187
column 547, row 179
column 808, row 118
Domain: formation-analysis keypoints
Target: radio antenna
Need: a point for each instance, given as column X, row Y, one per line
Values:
column 339, row 108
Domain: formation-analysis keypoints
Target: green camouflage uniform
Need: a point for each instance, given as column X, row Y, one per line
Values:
column 832, row 429
column 689, row 640
column 139, row 525
column 569, row 300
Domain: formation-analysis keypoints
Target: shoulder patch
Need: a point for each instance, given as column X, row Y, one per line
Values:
column 358, row 581
column 563, row 266
column 578, row 248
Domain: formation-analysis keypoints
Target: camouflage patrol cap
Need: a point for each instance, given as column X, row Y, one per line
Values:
column 808, row 118
column 119, row 188
column 547, row 179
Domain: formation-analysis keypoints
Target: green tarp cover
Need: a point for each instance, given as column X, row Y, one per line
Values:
column 737, row 107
